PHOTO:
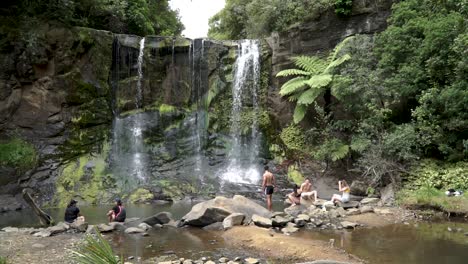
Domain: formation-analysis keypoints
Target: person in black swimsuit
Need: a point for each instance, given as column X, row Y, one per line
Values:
column 72, row 212
column 295, row 196
column 118, row 212
column 268, row 186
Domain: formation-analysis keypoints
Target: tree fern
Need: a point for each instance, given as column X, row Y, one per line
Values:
column 316, row 75
column 312, row 64
column 289, row 72
column 293, row 85
column 339, row 152
column 299, row 113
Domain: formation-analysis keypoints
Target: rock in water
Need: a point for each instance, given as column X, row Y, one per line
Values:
column 134, row 230
column 279, row 221
column 233, row 220
column 353, row 211
column 144, row 226
column 160, row 218
column 290, row 228
column 347, row 224
column 252, row 261
column 217, row 209
column 261, row 221
column 105, row 228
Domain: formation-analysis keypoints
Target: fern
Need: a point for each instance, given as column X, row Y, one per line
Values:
column 309, row 96
column 319, row 81
column 299, row 113
column 293, row 86
column 340, row 152
column 290, row 72
column 336, row 63
column 96, row 251
column 312, row 64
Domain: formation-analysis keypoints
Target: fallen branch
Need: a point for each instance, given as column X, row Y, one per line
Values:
column 44, row 218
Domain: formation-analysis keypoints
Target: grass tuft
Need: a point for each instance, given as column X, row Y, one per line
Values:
column 96, row 250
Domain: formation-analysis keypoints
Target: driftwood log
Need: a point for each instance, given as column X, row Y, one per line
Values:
column 44, row 218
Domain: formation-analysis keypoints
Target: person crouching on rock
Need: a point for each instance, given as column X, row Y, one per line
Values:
column 118, row 213
column 295, row 196
column 342, row 187
column 72, row 212
column 307, row 192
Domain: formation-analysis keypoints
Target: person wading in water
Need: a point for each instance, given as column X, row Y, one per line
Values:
column 268, row 186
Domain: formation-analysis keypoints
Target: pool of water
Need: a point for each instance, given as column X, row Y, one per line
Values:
column 416, row 243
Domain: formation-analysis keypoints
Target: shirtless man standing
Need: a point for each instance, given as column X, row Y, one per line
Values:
column 307, row 192
column 268, row 186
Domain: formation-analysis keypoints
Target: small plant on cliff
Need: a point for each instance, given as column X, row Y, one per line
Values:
column 96, row 250
column 17, row 153
column 343, row 7
column 314, row 77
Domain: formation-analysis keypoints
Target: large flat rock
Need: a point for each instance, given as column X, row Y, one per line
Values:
column 217, row 209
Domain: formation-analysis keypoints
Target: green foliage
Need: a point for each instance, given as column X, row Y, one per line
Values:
column 3, row 260
column 242, row 19
column 439, row 175
column 96, row 250
column 141, row 17
column 332, row 149
column 17, row 153
column 315, row 75
column 428, row 196
column 293, row 137
column 343, row 7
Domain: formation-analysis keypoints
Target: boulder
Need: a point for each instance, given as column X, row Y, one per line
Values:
column 348, row 225
column 353, row 211
column 366, row 209
column 340, row 211
column 59, row 228
column 233, row 220
column 358, row 188
column 290, row 228
column 118, row 226
column 296, row 210
column 144, row 226
column 10, row 229
column 217, row 209
column 251, row 261
column 328, row 205
column 280, row 221
column 218, row 226
column 134, row 230
column 103, row 228
column 350, row 204
column 261, row 221
column 160, row 218
column 303, row 217
column 370, row 200
column 387, row 195
column 79, row 225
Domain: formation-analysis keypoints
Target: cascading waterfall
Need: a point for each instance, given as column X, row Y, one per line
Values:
column 139, row 96
column 246, row 80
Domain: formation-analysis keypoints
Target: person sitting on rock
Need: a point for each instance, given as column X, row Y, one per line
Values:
column 342, row 187
column 307, row 192
column 72, row 212
column 295, row 196
column 118, row 213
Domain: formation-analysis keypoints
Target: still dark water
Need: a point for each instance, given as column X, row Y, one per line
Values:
column 421, row 243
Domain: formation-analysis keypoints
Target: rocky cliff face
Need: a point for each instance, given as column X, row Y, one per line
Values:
column 319, row 36
column 71, row 96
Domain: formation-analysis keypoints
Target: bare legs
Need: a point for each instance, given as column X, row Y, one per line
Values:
column 294, row 199
column 307, row 195
column 269, row 203
column 336, row 198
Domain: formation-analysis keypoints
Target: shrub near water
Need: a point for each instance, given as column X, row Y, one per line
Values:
column 17, row 153
column 439, row 175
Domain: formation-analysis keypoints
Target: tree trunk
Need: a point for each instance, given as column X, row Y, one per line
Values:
column 44, row 218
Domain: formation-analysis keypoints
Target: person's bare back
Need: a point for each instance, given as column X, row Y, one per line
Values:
column 268, row 178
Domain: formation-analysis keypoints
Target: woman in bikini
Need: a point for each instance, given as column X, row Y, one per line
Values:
column 295, row 196
column 342, row 187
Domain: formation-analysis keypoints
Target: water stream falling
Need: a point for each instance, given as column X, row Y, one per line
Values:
column 243, row 167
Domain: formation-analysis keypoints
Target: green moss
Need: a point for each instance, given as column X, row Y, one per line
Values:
column 175, row 189
column 79, row 181
column 17, row 153
column 293, row 137
column 141, row 195
column 295, row 175
column 165, row 109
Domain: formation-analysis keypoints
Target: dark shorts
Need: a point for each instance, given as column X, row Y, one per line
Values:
column 269, row 190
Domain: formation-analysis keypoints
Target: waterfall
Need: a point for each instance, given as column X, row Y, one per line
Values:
column 242, row 166
column 139, row 96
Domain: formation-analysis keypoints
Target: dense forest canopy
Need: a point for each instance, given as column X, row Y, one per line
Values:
column 140, row 17
column 402, row 97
